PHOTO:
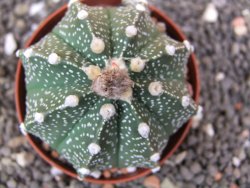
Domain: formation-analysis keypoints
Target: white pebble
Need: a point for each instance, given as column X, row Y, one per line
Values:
column 180, row 157
column 71, row 101
column 241, row 30
column 37, row 8
column 131, row 31
column 96, row 174
column 71, row 2
column 197, row 117
column 143, row 130
column 156, row 169
column 209, row 130
column 83, row 171
column 210, row 14
column 219, row 76
column 140, row 7
column 9, row 44
column 82, row 14
column 137, row 64
column 39, row 117
column 155, row 157
column 107, row 111
column 94, row 148
column 23, row 129
column 28, row 53
column 92, row 71
column 185, row 101
column 97, row 45
column 24, row 159
column 236, row 161
column 155, row 88
column 54, row 59
column 131, row 169
column 55, row 171
column 170, row 49
column 17, row 53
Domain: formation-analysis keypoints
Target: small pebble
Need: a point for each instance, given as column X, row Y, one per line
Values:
column 36, row 8
column 209, row 130
column 10, row 44
column 186, row 173
column 180, row 157
column 233, row 185
column 16, row 142
column 24, row 159
column 210, row 14
column 167, row 183
column 218, row 176
column 21, row 9
column 245, row 134
column 236, row 161
column 55, row 171
column 219, row 76
column 196, row 168
column 152, row 182
column 239, row 26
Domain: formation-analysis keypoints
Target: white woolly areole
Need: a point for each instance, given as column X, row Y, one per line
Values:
column 131, row 169
column 156, row 169
column 117, row 62
column 143, row 130
column 97, row 45
column 140, row 7
column 137, row 64
column 53, row 59
column 170, row 49
column 107, row 111
column 185, row 101
column 188, row 45
column 39, row 117
column 72, row 2
column 92, row 71
column 155, row 88
column 71, row 101
column 131, row 31
column 127, row 96
column 82, row 14
column 28, row 53
column 23, row 129
column 83, row 171
column 96, row 174
column 155, row 157
column 94, row 148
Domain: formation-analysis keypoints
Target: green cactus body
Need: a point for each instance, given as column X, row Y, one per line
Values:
column 106, row 89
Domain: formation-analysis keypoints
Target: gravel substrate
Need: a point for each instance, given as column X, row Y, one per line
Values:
column 217, row 150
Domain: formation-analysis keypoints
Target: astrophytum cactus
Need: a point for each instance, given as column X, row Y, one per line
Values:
column 106, row 88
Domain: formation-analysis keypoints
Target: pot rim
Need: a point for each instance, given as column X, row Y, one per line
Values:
column 123, row 178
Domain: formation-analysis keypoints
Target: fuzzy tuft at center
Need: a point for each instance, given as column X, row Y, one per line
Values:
column 113, row 83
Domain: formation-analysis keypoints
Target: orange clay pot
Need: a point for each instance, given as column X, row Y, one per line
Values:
column 20, row 93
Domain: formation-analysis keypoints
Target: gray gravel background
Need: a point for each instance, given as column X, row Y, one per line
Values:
column 217, row 150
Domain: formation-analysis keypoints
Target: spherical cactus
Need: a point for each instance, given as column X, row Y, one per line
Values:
column 106, row 88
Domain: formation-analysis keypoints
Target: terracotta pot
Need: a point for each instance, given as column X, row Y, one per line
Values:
column 20, row 93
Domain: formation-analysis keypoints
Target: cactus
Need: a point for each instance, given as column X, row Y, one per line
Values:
column 106, row 88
